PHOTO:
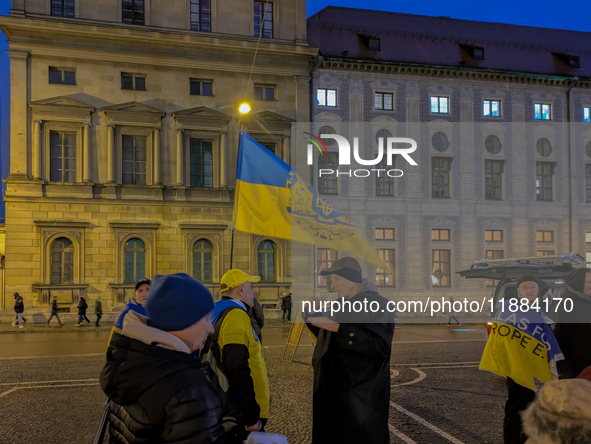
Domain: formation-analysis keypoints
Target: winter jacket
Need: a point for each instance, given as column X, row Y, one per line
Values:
column 19, row 305
column 560, row 414
column 573, row 333
column 98, row 308
column 54, row 305
column 132, row 305
column 242, row 361
column 82, row 306
column 286, row 303
column 159, row 392
column 352, row 374
column 257, row 317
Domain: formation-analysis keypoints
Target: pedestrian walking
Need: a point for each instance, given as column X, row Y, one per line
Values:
column 159, row 392
column 82, row 306
column 257, row 318
column 54, row 312
column 19, row 309
column 286, row 306
column 98, row 310
column 451, row 312
column 351, row 393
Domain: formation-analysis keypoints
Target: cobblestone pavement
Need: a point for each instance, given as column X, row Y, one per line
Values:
column 438, row 396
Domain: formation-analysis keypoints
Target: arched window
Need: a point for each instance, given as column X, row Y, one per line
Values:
column 267, row 261
column 135, row 260
column 202, row 260
column 62, row 261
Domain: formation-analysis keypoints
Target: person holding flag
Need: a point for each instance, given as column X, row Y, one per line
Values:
column 521, row 347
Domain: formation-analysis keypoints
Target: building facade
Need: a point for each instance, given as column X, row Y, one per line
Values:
column 502, row 120
column 124, row 139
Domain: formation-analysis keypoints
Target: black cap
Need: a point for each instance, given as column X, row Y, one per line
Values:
column 346, row 267
column 142, row 281
column 527, row 278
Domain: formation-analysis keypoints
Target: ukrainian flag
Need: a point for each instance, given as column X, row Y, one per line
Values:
column 272, row 200
column 522, row 346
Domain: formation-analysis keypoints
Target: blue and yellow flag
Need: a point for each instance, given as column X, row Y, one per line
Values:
column 522, row 346
column 272, row 200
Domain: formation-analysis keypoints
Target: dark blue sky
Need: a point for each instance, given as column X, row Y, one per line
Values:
column 543, row 13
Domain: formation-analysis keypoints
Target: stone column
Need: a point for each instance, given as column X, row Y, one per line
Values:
column 156, row 159
column 467, row 188
column 38, row 150
column 519, row 180
column 18, row 111
column 223, row 161
column 179, row 157
column 86, row 157
column 110, row 153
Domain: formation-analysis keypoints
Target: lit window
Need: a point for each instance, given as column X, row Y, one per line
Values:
column 201, row 87
column 440, row 105
column 384, row 234
column 264, row 92
column 493, row 235
column 493, row 255
column 325, row 258
column 62, row 76
column 441, row 268
column 586, row 114
column 326, row 97
column 544, row 236
column 542, row 111
column 544, row 252
column 491, row 108
column 385, row 278
column 440, row 234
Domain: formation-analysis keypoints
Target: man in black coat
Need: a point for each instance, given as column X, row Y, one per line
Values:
column 158, row 389
column 352, row 362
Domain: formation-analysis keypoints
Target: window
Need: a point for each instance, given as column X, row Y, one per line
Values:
column 384, row 101
column 440, row 170
column 544, row 236
column 441, row 271
column 493, row 255
column 327, row 183
column 440, row 105
column 134, row 160
column 62, row 76
column 135, row 260
column 373, row 44
column 588, row 253
column 383, row 134
column 328, row 130
column 385, row 183
column 62, row 261
column 325, row 258
column 267, row 261
column 476, row 52
column 542, row 111
column 270, row 146
column 135, row 82
column 438, row 234
column 62, row 150
column 202, row 260
column 588, row 149
column 491, row 108
column 586, row 114
column 264, row 92
column 200, row 15
column 545, row 253
column 386, row 278
column 493, row 144
column 201, row 163
column 263, row 18
column 588, row 182
column 62, row 8
column 493, row 179
column 440, row 141
column 493, row 235
column 326, row 97
column 544, row 147
column 384, row 234
column 201, row 87
column 544, row 178
column 133, row 12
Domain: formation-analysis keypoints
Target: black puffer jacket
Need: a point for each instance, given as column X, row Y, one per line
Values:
column 159, row 396
column 82, row 306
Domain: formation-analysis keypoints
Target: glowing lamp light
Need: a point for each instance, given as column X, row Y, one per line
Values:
column 244, row 108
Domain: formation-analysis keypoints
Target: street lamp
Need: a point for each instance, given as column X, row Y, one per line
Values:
column 244, row 108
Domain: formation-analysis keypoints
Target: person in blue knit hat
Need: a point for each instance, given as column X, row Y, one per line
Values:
column 156, row 385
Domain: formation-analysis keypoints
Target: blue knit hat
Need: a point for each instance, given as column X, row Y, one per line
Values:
column 177, row 301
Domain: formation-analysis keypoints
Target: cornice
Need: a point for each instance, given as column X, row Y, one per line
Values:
column 450, row 72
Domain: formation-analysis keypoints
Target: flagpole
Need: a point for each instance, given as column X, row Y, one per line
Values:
column 232, row 249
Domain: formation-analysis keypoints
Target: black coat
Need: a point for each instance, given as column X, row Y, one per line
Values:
column 159, row 396
column 286, row 303
column 257, row 317
column 19, row 306
column 352, row 376
column 82, row 306
column 573, row 333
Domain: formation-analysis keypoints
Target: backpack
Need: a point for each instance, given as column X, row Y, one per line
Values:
column 212, row 356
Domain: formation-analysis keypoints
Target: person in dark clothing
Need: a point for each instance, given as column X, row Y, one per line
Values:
column 98, row 311
column 82, row 306
column 19, row 309
column 54, row 312
column 257, row 318
column 159, row 391
column 286, row 306
column 351, row 363
column 573, row 329
column 451, row 313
